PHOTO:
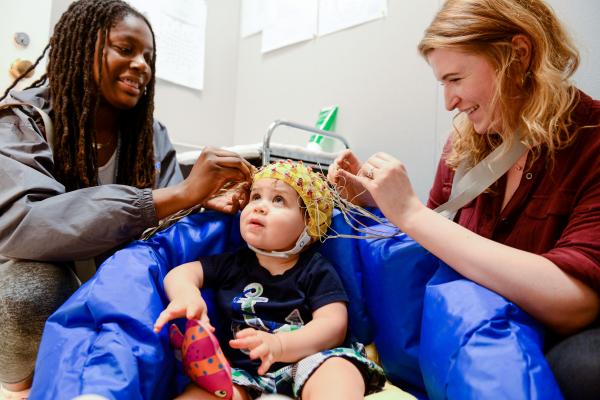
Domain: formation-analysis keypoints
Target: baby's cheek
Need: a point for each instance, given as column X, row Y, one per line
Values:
column 243, row 231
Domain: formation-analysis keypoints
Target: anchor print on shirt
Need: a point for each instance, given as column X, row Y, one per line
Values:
column 252, row 295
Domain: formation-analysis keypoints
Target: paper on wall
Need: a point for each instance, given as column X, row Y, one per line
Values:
column 288, row 22
column 335, row 15
column 253, row 17
column 180, row 33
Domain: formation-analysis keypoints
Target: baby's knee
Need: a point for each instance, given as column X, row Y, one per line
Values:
column 336, row 377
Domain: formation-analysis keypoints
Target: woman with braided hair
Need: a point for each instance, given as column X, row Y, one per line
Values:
column 103, row 174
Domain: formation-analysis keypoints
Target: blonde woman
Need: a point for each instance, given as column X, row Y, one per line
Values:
column 534, row 235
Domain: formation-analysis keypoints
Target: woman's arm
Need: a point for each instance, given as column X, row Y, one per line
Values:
column 326, row 330
column 35, row 207
column 40, row 221
column 533, row 282
column 536, row 284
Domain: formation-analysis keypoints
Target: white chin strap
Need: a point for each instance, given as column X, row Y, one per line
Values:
column 302, row 241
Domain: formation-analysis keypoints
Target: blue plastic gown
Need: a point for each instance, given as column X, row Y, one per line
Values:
column 438, row 334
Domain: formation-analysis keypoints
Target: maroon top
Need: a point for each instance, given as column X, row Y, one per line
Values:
column 555, row 211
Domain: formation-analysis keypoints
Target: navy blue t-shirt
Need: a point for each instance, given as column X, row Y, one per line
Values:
column 247, row 295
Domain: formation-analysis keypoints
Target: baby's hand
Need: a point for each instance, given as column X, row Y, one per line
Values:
column 191, row 308
column 263, row 345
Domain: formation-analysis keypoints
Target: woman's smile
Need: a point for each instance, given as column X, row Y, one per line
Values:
column 131, row 86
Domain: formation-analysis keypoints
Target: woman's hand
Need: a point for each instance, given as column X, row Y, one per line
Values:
column 263, row 345
column 348, row 165
column 230, row 199
column 387, row 181
column 214, row 169
column 190, row 305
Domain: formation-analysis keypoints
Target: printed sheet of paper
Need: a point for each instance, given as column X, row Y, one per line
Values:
column 288, row 22
column 252, row 17
column 335, row 15
column 180, row 30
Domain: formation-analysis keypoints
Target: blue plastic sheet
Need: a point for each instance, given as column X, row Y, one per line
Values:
column 484, row 348
column 101, row 340
column 437, row 333
column 396, row 271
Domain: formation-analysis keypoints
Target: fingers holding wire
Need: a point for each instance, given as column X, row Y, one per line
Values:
column 345, row 161
column 380, row 164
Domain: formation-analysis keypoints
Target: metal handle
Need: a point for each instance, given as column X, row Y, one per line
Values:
column 266, row 149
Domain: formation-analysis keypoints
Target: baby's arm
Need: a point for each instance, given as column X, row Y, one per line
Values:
column 326, row 330
column 182, row 286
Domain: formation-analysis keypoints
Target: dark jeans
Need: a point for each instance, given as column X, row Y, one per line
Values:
column 575, row 362
column 29, row 292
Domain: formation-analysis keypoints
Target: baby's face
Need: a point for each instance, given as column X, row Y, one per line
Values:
column 273, row 219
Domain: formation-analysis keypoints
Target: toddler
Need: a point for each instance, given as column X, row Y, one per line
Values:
column 281, row 304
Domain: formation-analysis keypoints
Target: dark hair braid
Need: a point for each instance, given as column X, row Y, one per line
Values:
column 75, row 98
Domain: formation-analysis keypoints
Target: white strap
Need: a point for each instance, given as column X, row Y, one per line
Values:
column 302, row 241
column 48, row 126
column 480, row 177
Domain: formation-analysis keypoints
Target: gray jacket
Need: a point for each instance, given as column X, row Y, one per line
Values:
column 39, row 220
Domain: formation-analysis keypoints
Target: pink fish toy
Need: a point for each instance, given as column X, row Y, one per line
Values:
column 202, row 358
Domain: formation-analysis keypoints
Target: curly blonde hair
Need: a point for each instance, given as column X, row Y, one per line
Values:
column 487, row 27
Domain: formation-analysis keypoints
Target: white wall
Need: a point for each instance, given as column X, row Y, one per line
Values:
column 582, row 19
column 389, row 100
column 385, row 91
column 388, row 97
column 206, row 117
column 20, row 18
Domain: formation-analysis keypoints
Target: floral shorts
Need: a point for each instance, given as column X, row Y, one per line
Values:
column 290, row 379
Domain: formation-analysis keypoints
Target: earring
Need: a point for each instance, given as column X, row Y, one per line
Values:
column 525, row 78
column 145, row 90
